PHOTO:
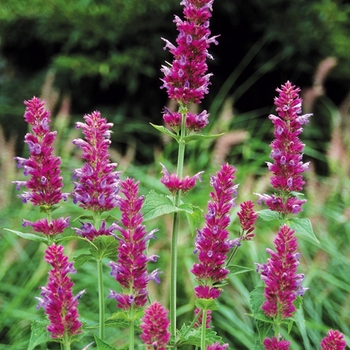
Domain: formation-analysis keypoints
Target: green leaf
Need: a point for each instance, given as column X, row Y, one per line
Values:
column 195, row 219
column 29, row 236
column 101, row 345
column 166, row 131
column 195, row 137
column 156, row 205
column 104, row 247
column 268, row 215
column 119, row 319
column 236, row 269
column 81, row 259
column 192, row 336
column 39, row 334
column 206, row 304
column 302, row 226
column 186, row 207
column 84, row 217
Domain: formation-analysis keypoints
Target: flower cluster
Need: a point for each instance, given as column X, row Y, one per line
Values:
column 185, row 80
column 45, row 183
column 333, row 341
column 154, row 327
column 276, row 344
column 247, row 217
column 212, row 242
column 282, row 283
column 173, row 183
column 98, row 183
column 57, row 299
column 130, row 270
column 286, row 152
column 217, row 346
column 194, row 122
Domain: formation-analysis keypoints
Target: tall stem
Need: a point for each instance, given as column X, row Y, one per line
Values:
column 173, row 251
column 101, row 300
column 204, row 328
column 131, row 329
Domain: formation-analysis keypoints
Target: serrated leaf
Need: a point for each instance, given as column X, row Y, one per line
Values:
column 166, row 131
column 29, row 236
column 195, row 137
column 104, row 247
column 302, row 226
column 195, row 219
column 186, row 207
column 81, row 259
column 39, row 334
column 84, row 217
column 101, row 345
column 206, row 304
column 193, row 336
column 268, row 215
column 236, row 269
column 157, row 205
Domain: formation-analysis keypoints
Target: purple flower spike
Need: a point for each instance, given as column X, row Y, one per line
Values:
column 217, row 346
column 54, row 227
column 247, row 218
column 212, row 242
column 186, row 79
column 87, row 230
column 282, row 283
column 45, row 183
column 286, row 153
column 154, row 327
column 333, row 341
column 276, row 344
column 130, row 270
column 57, row 299
column 98, row 183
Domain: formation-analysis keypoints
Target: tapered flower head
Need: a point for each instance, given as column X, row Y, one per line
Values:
column 57, row 298
column 333, row 341
column 97, row 182
column 247, row 217
column 282, row 283
column 288, row 167
column 186, row 79
column 54, row 227
column 130, row 270
column 154, row 327
column 276, row 344
column 212, row 242
column 45, row 183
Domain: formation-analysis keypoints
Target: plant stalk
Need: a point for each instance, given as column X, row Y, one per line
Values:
column 101, row 300
column 204, row 329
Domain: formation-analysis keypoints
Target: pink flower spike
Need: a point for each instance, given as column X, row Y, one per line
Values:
column 247, row 218
column 333, row 341
column 282, row 283
column 45, row 183
column 276, row 344
column 185, row 79
column 54, row 227
column 217, row 346
column 57, row 299
column 154, row 327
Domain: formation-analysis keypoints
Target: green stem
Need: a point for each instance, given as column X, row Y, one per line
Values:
column 231, row 256
column 131, row 330
column 66, row 341
column 101, row 299
column 204, row 329
column 173, row 250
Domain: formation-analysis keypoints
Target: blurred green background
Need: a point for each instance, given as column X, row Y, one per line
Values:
column 85, row 55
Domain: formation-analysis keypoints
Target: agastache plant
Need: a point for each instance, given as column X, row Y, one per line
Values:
column 44, row 188
column 96, row 188
column 57, row 297
column 333, row 341
column 186, row 81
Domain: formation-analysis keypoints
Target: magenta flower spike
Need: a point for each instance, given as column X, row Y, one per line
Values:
column 186, row 79
column 282, row 283
column 333, row 341
column 217, row 346
column 212, row 242
column 247, row 217
column 57, row 298
column 43, row 167
column 98, row 183
column 154, row 327
column 276, row 344
column 130, row 270
column 287, row 149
